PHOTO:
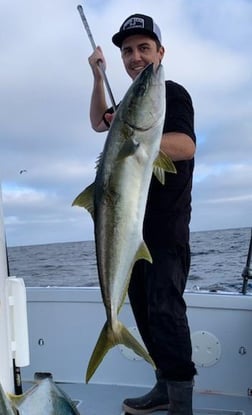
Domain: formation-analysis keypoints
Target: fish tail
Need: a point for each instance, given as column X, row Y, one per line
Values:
column 102, row 346
column 108, row 339
column 126, row 338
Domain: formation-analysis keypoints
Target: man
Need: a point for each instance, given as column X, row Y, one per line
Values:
column 156, row 290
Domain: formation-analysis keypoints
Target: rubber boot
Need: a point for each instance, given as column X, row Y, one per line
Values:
column 180, row 395
column 155, row 400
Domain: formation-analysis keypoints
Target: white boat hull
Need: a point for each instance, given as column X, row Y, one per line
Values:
column 63, row 328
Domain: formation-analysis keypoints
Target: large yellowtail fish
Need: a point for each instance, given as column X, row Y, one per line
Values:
column 117, row 200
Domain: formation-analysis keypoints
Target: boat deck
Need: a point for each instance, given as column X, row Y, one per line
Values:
column 97, row 399
column 222, row 350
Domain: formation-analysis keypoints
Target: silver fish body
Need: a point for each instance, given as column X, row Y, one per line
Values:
column 117, row 200
column 45, row 397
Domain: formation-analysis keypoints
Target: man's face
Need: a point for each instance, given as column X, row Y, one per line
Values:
column 138, row 51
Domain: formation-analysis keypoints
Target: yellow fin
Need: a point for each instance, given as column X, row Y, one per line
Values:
column 86, row 199
column 143, row 253
column 161, row 164
column 126, row 338
column 108, row 339
column 104, row 343
column 15, row 398
column 15, row 402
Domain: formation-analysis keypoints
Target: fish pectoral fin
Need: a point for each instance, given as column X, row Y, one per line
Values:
column 110, row 338
column 162, row 164
column 143, row 253
column 86, row 199
column 128, row 148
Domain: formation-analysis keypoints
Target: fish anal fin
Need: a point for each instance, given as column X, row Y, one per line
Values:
column 143, row 253
column 86, row 199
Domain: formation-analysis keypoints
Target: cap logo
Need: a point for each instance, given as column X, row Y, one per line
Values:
column 133, row 22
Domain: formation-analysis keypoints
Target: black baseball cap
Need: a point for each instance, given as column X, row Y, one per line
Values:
column 137, row 24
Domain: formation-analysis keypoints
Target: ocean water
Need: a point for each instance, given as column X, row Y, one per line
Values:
column 218, row 259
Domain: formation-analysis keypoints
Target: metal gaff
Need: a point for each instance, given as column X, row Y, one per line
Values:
column 86, row 25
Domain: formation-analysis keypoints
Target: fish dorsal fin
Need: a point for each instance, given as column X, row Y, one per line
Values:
column 98, row 160
column 143, row 253
column 163, row 163
column 86, row 199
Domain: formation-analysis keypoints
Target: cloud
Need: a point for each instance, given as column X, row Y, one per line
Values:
column 46, row 85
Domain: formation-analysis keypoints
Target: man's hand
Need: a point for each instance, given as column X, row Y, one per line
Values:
column 95, row 59
column 109, row 117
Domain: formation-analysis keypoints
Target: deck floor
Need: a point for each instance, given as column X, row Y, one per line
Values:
column 97, row 399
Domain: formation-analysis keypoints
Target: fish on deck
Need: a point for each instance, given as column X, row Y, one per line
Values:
column 117, row 200
column 45, row 397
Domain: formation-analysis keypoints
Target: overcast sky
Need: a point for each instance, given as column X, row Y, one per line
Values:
column 46, row 84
